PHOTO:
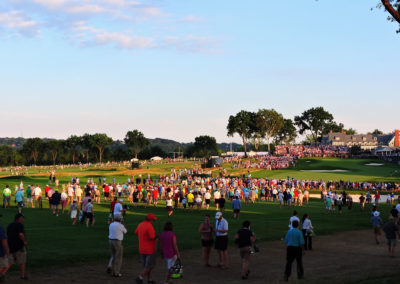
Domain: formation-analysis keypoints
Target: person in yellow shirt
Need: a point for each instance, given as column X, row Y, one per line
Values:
column 190, row 198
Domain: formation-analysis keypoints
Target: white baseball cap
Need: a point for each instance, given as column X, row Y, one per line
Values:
column 218, row 215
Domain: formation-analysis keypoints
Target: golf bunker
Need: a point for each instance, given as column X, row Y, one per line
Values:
column 374, row 164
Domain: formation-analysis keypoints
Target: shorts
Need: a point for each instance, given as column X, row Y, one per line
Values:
column 244, row 253
column 148, row 260
column 18, row 257
column 208, row 201
column 221, row 243
column 391, row 242
column 21, row 204
column 216, row 201
column 236, row 211
column 89, row 216
column 106, row 194
column 207, row 243
column 155, row 199
column 377, row 230
column 28, row 199
column 3, row 261
column 171, row 261
column 74, row 213
column 169, row 208
column 191, row 204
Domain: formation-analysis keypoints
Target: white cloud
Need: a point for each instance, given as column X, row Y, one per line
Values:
column 86, row 9
column 16, row 20
column 124, row 41
column 124, row 24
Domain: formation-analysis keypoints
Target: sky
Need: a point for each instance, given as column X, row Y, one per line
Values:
column 178, row 69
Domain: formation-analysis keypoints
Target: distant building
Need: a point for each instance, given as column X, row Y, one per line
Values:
column 365, row 141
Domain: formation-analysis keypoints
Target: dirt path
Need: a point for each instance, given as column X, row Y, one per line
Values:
column 341, row 258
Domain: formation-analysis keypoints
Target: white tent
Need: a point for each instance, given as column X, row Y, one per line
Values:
column 156, row 158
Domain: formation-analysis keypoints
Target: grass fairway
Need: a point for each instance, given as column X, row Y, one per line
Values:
column 53, row 241
column 355, row 170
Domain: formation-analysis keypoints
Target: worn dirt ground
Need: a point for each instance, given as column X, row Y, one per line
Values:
column 341, row 258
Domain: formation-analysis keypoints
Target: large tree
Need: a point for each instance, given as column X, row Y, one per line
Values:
column 314, row 120
column 244, row 124
column 268, row 123
column 54, row 147
column 32, row 148
column 136, row 140
column 101, row 141
column 87, row 144
column 205, row 146
column 72, row 143
column 287, row 134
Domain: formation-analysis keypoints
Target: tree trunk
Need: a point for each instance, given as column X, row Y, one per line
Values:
column 87, row 156
column 392, row 11
column 244, row 146
column 54, row 157
column 269, row 147
column 100, row 153
column 73, row 158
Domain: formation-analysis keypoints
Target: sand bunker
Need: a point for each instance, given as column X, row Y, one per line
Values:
column 326, row 171
column 374, row 164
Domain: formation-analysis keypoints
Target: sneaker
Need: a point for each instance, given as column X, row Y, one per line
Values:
column 117, row 275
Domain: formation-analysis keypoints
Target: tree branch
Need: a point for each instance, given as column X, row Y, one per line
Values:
column 392, row 11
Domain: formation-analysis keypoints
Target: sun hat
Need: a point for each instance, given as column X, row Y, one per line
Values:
column 151, row 216
column 376, row 213
column 218, row 215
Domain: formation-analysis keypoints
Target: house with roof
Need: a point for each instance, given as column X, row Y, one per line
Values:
column 367, row 142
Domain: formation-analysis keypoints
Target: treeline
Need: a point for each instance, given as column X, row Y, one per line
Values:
column 98, row 147
column 269, row 127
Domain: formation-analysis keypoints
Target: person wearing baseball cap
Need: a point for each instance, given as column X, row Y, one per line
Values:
column 376, row 224
column 221, row 240
column 147, row 247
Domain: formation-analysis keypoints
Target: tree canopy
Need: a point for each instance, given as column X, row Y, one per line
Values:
column 136, row 140
column 243, row 123
column 205, row 146
column 315, row 120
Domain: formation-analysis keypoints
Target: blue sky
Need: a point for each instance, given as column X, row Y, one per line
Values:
column 178, row 69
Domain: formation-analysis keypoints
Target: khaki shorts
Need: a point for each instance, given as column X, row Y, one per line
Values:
column 244, row 253
column 3, row 261
column 18, row 257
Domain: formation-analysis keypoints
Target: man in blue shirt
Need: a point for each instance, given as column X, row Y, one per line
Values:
column 295, row 241
column 236, row 206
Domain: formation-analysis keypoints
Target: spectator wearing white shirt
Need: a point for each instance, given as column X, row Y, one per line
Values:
column 118, row 209
column 38, row 196
column 293, row 218
column 307, row 229
column 116, row 235
column 221, row 240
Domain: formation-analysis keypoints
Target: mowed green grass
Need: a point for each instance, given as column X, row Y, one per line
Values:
column 53, row 241
column 357, row 170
